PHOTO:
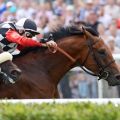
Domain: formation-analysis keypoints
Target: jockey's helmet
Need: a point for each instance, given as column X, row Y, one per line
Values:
column 28, row 25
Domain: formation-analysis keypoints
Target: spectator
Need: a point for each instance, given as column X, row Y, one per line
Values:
column 83, row 86
column 59, row 7
column 25, row 11
column 69, row 14
column 112, row 9
column 12, row 16
column 42, row 22
column 92, row 20
column 102, row 32
column 104, row 18
column 88, row 6
column 4, row 7
column 113, row 31
column 111, row 44
column 73, row 83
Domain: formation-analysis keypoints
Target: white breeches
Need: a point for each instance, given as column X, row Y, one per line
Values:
column 5, row 56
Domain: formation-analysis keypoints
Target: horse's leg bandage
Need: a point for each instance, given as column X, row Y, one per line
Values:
column 5, row 56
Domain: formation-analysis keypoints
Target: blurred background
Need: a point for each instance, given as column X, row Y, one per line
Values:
column 102, row 15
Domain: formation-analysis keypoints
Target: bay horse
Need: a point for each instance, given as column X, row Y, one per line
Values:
column 42, row 70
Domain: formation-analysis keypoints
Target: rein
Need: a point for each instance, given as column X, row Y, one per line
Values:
column 66, row 54
column 62, row 51
column 73, row 60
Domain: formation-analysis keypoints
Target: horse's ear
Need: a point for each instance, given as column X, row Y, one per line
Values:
column 87, row 33
column 83, row 29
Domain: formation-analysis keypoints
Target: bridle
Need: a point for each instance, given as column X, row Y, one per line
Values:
column 103, row 73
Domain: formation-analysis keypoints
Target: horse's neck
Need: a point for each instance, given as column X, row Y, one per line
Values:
column 58, row 64
column 57, row 67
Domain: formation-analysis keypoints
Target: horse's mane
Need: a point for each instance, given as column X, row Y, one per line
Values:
column 63, row 32
column 58, row 34
column 67, row 31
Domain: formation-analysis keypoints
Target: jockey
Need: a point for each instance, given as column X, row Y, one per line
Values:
column 18, row 36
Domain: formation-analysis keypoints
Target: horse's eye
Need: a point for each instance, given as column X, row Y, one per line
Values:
column 102, row 52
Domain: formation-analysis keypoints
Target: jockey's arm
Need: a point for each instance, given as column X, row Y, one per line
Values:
column 13, row 36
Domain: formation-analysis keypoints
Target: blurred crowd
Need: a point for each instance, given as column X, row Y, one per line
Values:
column 102, row 15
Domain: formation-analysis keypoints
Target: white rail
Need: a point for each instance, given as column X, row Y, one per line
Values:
column 61, row 101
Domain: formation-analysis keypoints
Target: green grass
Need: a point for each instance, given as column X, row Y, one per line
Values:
column 55, row 111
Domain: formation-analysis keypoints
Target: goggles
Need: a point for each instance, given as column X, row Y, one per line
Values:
column 27, row 33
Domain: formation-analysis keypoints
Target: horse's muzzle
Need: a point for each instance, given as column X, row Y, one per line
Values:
column 114, row 81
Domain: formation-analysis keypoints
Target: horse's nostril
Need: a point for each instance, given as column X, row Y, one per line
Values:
column 117, row 76
column 16, row 73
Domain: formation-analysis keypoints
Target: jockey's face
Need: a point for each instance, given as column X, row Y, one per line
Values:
column 25, row 33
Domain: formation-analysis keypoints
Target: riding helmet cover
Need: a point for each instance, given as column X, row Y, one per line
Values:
column 27, row 25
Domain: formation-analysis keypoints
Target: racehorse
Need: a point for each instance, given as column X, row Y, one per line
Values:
column 42, row 70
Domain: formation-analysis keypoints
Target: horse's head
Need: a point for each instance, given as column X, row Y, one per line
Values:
column 97, row 58
column 9, row 71
column 85, row 48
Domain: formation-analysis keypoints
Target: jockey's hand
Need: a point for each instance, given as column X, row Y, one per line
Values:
column 52, row 46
